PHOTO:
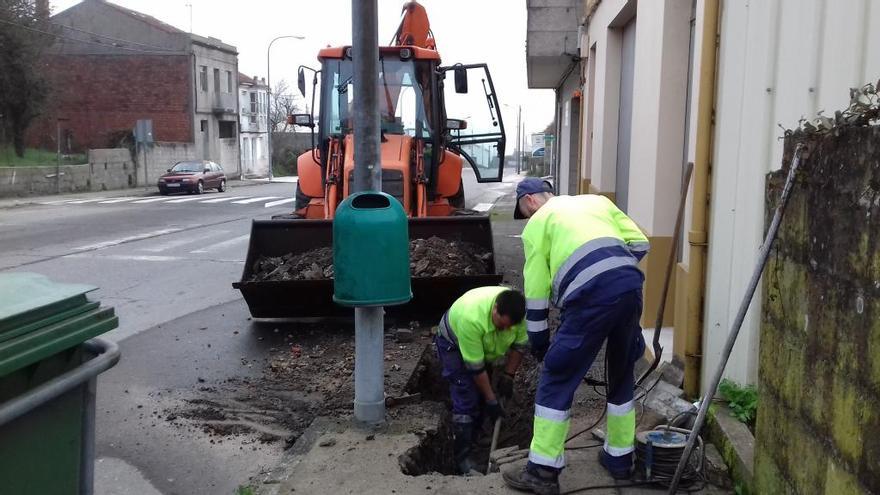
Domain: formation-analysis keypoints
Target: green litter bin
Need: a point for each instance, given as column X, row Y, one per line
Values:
column 371, row 251
column 49, row 362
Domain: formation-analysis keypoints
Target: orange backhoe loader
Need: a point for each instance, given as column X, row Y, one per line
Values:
column 423, row 153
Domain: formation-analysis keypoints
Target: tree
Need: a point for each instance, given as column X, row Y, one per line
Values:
column 23, row 89
column 283, row 102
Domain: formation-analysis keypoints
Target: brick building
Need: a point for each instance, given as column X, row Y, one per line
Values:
column 112, row 66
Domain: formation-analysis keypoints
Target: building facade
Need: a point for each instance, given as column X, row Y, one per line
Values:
column 111, row 67
column 253, row 100
column 661, row 83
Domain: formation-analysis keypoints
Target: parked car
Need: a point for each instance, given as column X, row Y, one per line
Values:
column 538, row 152
column 194, row 176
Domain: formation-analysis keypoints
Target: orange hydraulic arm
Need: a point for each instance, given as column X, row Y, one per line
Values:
column 415, row 29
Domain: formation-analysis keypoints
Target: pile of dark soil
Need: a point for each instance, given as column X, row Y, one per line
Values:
column 436, row 257
column 315, row 264
column 431, row 257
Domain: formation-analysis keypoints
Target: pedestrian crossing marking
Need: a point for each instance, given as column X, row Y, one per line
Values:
column 220, row 200
column 83, row 201
column 184, row 200
column 253, row 200
column 279, row 202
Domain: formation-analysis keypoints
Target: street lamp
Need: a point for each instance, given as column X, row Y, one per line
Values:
column 518, row 136
column 269, row 95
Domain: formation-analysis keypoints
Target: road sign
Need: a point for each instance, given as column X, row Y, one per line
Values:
column 143, row 131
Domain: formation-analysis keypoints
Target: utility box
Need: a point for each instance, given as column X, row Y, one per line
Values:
column 371, row 251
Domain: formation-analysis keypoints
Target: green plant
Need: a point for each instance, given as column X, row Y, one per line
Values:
column 244, row 490
column 743, row 401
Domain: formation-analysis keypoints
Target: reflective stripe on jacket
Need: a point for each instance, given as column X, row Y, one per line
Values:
column 577, row 243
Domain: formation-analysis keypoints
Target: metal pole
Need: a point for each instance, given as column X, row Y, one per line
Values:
column 269, row 96
column 58, row 157
column 369, row 373
column 518, row 138
column 269, row 109
column 146, row 172
column 763, row 254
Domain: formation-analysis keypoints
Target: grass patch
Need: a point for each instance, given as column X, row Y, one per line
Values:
column 244, row 490
column 743, row 401
column 36, row 157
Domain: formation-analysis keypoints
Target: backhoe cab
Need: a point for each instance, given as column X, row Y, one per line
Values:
column 422, row 149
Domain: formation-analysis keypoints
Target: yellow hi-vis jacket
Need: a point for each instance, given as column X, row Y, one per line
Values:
column 574, row 244
column 468, row 323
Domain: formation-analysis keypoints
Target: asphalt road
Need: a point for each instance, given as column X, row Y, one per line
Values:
column 166, row 265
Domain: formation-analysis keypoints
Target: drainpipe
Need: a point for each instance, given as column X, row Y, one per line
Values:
column 698, row 234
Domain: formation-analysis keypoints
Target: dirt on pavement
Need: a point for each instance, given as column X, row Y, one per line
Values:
column 309, row 375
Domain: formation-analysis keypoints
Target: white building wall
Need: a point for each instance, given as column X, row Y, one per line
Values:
column 607, row 43
column 568, row 118
column 659, row 97
column 254, row 143
column 778, row 61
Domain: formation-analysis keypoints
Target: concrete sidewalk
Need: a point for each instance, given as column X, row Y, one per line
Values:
column 13, row 202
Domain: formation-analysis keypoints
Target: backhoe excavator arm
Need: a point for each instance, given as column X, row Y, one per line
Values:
column 414, row 29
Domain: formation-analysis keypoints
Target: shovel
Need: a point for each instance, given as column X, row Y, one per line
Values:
column 495, row 434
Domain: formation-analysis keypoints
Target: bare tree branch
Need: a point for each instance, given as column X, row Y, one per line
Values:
column 284, row 102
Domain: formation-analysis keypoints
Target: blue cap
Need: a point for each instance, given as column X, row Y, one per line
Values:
column 530, row 185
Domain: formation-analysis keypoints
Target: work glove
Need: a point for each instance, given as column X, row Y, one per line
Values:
column 505, row 385
column 539, row 351
column 539, row 342
column 495, row 411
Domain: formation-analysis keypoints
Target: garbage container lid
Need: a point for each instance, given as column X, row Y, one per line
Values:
column 26, row 298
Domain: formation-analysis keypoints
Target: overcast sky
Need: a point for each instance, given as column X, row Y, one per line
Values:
column 467, row 31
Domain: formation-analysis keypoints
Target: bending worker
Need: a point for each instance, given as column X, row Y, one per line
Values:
column 480, row 328
column 582, row 254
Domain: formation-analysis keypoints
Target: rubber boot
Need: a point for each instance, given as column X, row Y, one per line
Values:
column 620, row 468
column 462, row 445
column 533, row 478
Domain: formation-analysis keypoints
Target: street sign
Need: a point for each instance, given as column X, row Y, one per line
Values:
column 143, row 131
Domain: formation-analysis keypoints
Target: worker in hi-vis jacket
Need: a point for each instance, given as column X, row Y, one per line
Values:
column 581, row 254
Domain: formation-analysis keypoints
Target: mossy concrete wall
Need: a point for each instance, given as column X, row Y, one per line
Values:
column 818, row 425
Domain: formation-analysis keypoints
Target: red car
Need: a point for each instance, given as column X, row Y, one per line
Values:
column 193, row 177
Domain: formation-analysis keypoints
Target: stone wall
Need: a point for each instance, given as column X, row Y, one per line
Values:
column 818, row 426
column 108, row 169
column 162, row 156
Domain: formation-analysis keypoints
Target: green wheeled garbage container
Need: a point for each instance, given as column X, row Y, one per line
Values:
column 371, row 251
column 49, row 362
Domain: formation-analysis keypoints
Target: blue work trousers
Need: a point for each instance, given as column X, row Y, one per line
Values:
column 466, row 399
column 587, row 321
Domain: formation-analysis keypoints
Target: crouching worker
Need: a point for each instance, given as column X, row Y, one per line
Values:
column 482, row 327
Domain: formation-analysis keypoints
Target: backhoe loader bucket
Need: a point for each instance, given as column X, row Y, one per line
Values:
column 314, row 298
